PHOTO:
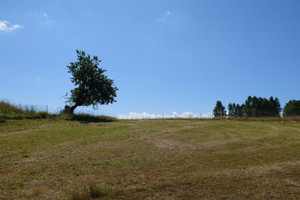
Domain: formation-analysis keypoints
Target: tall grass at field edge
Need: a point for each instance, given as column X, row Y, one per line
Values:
column 10, row 111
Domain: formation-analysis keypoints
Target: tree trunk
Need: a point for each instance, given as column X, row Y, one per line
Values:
column 72, row 108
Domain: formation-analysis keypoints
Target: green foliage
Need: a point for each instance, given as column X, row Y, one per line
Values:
column 292, row 108
column 236, row 110
column 230, row 110
column 92, row 86
column 66, row 110
column 240, row 110
column 262, row 107
column 255, row 107
column 219, row 110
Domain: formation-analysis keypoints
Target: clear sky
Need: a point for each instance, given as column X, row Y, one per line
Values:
column 164, row 55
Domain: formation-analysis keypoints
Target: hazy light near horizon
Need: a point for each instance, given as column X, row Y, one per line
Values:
column 144, row 115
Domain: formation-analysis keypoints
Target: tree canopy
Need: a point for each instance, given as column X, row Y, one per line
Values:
column 262, row 107
column 292, row 108
column 235, row 110
column 92, row 87
column 255, row 107
column 219, row 110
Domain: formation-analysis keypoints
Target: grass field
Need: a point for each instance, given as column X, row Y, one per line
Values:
column 150, row 159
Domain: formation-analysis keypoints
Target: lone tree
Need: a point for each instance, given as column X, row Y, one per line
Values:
column 92, row 86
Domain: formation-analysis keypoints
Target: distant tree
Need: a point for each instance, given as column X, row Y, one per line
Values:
column 230, row 110
column 262, row 107
column 277, row 107
column 240, row 110
column 219, row 110
column 234, row 110
column 248, row 108
column 292, row 108
column 92, row 86
column 255, row 106
column 266, row 107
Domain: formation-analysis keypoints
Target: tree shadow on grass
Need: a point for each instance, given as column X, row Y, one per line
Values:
column 86, row 118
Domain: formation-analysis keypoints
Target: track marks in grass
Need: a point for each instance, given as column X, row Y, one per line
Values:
column 170, row 146
column 154, row 159
column 38, row 128
column 258, row 169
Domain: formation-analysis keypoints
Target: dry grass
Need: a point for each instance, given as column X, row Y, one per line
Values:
column 11, row 111
column 150, row 159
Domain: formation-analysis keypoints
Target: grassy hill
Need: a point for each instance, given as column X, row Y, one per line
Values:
column 149, row 159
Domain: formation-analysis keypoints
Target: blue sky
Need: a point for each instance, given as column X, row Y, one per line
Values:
column 164, row 55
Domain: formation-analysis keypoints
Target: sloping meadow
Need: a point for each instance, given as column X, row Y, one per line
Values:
column 150, row 159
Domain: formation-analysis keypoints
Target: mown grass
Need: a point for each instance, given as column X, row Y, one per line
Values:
column 150, row 159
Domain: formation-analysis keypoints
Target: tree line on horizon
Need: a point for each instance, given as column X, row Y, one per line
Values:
column 257, row 107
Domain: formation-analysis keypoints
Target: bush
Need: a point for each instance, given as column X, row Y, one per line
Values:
column 66, row 110
column 43, row 115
